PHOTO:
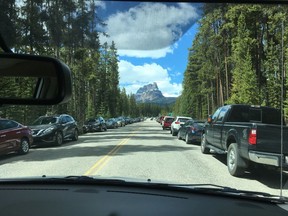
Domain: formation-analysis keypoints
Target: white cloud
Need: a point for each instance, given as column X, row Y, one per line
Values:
column 132, row 77
column 100, row 4
column 146, row 53
column 149, row 27
column 170, row 89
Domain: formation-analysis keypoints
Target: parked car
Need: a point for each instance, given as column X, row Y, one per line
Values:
column 121, row 121
column 191, row 131
column 160, row 119
column 112, row 123
column 176, row 124
column 128, row 120
column 248, row 134
column 167, row 121
column 14, row 137
column 95, row 124
column 54, row 129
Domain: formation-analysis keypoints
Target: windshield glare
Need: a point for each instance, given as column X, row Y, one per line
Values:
column 137, row 62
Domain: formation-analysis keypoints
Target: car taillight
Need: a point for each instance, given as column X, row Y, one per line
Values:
column 252, row 137
column 177, row 122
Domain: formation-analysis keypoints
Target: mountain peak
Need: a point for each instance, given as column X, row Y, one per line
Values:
column 148, row 93
column 155, row 85
column 151, row 94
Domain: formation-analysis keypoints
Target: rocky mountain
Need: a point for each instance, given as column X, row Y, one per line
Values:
column 151, row 94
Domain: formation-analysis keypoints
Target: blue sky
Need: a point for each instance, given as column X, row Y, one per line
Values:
column 152, row 42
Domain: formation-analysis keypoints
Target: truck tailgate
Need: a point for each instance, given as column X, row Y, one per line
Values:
column 269, row 138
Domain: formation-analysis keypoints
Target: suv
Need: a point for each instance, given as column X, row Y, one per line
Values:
column 14, row 137
column 167, row 121
column 54, row 129
column 95, row 124
column 175, row 126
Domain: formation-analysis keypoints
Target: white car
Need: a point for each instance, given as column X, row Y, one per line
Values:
column 176, row 124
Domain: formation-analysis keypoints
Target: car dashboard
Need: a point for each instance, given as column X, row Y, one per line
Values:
column 75, row 199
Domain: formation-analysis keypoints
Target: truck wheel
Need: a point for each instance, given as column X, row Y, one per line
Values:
column 204, row 149
column 234, row 161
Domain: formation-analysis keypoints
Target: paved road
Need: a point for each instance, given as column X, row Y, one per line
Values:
column 141, row 150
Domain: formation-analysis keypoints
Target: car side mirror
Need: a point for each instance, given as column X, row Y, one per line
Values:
column 209, row 120
column 45, row 80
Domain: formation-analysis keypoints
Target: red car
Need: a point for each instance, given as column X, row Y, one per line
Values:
column 167, row 121
column 14, row 137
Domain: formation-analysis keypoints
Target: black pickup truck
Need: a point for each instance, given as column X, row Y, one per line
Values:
column 248, row 134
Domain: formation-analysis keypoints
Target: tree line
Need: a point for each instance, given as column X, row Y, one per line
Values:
column 237, row 56
column 68, row 30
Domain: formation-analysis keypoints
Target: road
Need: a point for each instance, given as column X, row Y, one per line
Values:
column 141, row 150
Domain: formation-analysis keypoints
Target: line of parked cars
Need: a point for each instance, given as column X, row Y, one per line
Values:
column 184, row 127
column 51, row 130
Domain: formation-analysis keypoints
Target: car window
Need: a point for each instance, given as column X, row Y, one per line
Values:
column 45, row 120
column 140, row 61
column 169, row 119
column 69, row 119
column 7, row 124
column 222, row 113
column 215, row 115
column 188, row 123
column 183, row 119
column 199, row 124
column 63, row 120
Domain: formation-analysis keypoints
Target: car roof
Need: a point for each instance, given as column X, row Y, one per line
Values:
column 55, row 115
column 183, row 117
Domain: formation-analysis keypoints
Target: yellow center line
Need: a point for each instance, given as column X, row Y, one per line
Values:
column 104, row 160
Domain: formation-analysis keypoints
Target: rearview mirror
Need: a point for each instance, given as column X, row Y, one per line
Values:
column 33, row 80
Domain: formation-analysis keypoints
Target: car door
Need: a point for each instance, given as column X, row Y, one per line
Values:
column 71, row 125
column 217, row 127
column 4, row 140
column 10, row 135
column 186, row 127
column 209, row 128
column 64, row 126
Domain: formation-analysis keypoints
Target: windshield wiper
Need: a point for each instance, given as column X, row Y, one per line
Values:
column 82, row 180
column 201, row 188
column 211, row 188
column 196, row 188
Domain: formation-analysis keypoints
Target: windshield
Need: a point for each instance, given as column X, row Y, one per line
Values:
column 45, row 120
column 138, row 61
column 91, row 121
column 169, row 119
column 183, row 120
column 200, row 124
